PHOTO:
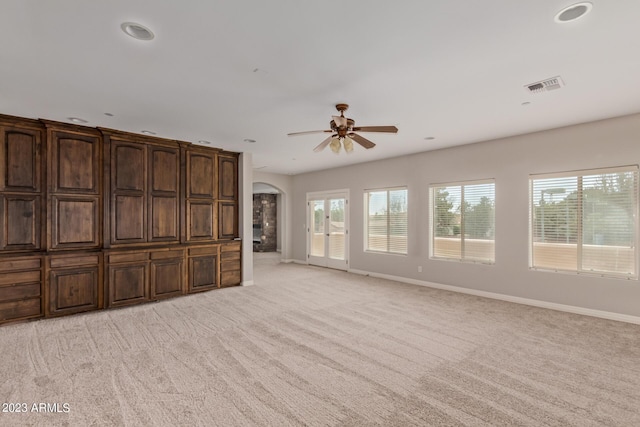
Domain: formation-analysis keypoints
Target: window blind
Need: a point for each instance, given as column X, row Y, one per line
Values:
column 585, row 221
column 463, row 221
column 386, row 220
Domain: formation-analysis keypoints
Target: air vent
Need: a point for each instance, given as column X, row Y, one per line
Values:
column 545, row 85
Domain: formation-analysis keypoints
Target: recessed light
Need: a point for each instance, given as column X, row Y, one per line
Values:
column 108, row 114
column 250, row 141
column 573, row 12
column 526, row 103
column 77, row 120
column 429, row 138
column 137, row 31
column 202, row 141
column 147, row 132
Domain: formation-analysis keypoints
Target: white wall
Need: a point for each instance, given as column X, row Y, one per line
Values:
column 612, row 142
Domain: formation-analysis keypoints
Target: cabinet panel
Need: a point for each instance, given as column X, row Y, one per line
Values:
column 165, row 169
column 20, row 154
column 20, row 288
column 200, row 174
column 74, row 163
column 164, row 218
column 128, row 219
column 128, row 284
column 227, row 177
column 21, row 222
column 128, row 166
column 73, row 290
column 22, row 309
column 75, row 222
column 200, row 220
column 203, row 273
column 166, row 278
column 228, row 220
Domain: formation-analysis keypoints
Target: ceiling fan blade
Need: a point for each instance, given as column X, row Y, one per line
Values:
column 362, row 141
column 340, row 121
column 323, row 144
column 388, row 129
column 309, row 132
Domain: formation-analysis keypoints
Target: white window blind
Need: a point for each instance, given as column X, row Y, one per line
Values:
column 463, row 221
column 585, row 221
column 386, row 220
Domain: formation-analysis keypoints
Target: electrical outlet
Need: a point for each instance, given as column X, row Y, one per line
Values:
column 419, row 269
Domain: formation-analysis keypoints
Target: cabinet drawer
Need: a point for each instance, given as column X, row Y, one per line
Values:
column 167, row 254
column 74, row 261
column 19, row 264
column 230, row 265
column 129, row 257
column 229, row 278
column 21, row 277
column 230, row 247
column 230, row 256
column 16, row 292
column 204, row 250
column 20, row 309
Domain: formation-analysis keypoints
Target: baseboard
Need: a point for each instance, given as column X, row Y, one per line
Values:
column 286, row 261
column 518, row 300
column 247, row 283
column 297, row 261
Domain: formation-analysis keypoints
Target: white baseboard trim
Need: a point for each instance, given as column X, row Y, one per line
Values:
column 297, row 261
column 286, row 261
column 247, row 283
column 518, row 300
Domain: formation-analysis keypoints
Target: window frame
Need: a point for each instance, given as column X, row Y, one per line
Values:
column 432, row 213
column 366, row 219
column 579, row 174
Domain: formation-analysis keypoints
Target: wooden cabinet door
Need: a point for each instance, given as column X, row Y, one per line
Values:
column 128, row 192
column 74, row 283
column 74, row 163
column 20, row 160
column 227, row 220
column 227, row 177
column 75, row 186
column 201, row 173
column 166, row 277
column 20, row 188
column 163, row 196
column 203, row 268
column 128, row 284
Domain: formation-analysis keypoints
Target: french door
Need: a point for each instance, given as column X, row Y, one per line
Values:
column 328, row 230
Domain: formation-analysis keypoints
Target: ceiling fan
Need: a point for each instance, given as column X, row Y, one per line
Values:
column 342, row 130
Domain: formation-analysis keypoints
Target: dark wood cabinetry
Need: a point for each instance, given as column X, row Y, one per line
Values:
column 20, row 288
column 75, row 187
column 203, row 268
column 98, row 218
column 230, row 267
column 200, row 190
column 228, row 196
column 74, row 283
column 142, row 200
column 144, row 275
column 21, row 191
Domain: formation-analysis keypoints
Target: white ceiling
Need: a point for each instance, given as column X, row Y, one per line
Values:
column 228, row 70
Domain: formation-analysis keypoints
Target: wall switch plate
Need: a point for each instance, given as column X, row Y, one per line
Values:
column 419, row 269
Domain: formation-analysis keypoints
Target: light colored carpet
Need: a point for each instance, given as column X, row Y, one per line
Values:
column 311, row 346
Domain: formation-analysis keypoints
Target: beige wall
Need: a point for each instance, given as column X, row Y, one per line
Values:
column 613, row 142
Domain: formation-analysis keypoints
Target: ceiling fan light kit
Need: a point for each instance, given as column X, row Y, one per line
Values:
column 343, row 133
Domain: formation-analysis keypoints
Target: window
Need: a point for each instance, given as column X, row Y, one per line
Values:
column 585, row 221
column 386, row 220
column 463, row 221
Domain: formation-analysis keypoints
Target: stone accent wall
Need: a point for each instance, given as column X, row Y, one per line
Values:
column 265, row 222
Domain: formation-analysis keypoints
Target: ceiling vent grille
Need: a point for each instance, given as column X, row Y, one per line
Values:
column 547, row 85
